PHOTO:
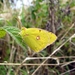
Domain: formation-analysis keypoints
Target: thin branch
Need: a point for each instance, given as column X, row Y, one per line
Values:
column 31, row 64
column 68, row 63
column 68, row 31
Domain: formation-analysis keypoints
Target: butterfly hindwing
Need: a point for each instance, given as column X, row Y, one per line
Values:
column 37, row 39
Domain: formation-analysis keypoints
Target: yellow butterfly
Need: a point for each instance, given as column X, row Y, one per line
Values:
column 37, row 39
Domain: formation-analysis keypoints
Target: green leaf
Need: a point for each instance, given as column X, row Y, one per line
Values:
column 14, row 33
column 2, row 33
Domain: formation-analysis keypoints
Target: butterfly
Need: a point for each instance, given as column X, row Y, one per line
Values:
column 37, row 39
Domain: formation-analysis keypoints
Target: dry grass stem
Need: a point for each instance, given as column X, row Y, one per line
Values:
column 53, row 53
column 67, row 71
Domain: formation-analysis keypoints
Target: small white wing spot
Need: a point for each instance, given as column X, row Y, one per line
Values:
column 38, row 38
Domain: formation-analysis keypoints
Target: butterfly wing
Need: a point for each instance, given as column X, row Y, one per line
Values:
column 37, row 39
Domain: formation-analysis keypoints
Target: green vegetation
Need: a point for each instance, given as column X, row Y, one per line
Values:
column 50, row 15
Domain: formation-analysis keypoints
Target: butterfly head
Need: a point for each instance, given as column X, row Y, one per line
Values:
column 22, row 32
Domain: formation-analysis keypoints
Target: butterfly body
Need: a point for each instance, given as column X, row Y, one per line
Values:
column 37, row 39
